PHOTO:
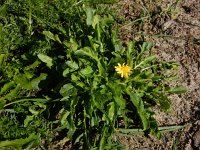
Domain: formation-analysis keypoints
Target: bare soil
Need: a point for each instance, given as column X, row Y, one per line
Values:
column 174, row 27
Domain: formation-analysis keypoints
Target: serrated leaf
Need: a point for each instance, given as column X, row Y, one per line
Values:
column 178, row 90
column 46, row 59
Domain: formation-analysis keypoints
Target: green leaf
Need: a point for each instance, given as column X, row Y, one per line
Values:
column 139, row 104
column 46, row 59
column 33, row 66
column 104, row 135
column 89, row 14
column 68, row 90
column 64, row 118
column 149, row 59
column 117, row 94
column 72, row 44
column 33, row 110
column 35, row 82
column 18, row 143
column 49, row 35
column 67, row 120
column 72, row 65
column 86, row 71
column 129, row 53
column 74, row 78
column 101, row 67
column 2, row 103
column 2, row 57
column 12, row 94
column 22, row 80
column 3, row 10
column 146, row 61
column 29, row 74
column 52, row 36
column 87, row 51
column 27, row 120
column 25, row 100
column 95, row 21
column 56, row 38
column 78, row 139
column 178, row 90
column 120, row 101
column 7, row 86
column 37, row 108
column 111, row 111
column 97, row 100
column 130, row 48
column 164, row 102
column 146, row 46
column 66, row 72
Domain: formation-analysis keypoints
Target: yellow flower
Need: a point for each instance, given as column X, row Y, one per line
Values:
column 123, row 70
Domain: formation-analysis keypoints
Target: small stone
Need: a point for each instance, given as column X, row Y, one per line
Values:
column 196, row 139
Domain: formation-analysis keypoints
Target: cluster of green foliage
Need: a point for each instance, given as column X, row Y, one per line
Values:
column 57, row 76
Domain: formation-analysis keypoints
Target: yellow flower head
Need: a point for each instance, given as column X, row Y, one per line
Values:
column 123, row 70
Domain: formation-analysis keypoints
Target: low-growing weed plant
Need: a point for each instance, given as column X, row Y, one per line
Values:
column 65, row 74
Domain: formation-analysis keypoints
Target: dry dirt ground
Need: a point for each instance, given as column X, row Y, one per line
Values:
column 174, row 27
